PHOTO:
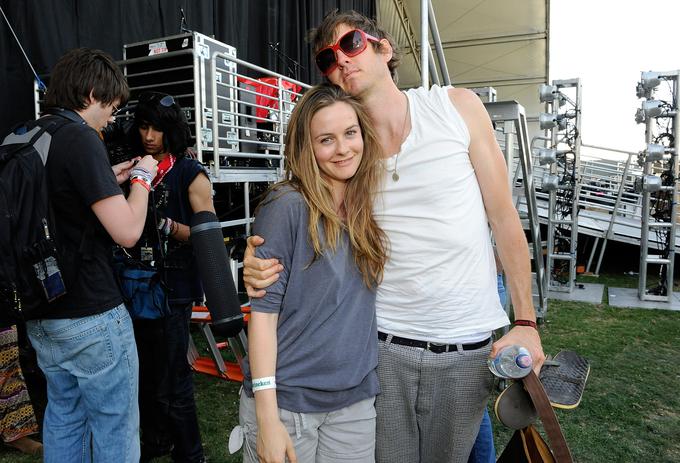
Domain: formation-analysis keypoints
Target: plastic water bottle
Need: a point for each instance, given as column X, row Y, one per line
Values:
column 513, row 362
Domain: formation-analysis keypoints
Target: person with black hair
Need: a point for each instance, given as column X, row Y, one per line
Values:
column 180, row 189
column 84, row 339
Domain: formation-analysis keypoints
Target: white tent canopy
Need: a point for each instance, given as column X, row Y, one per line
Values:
column 497, row 43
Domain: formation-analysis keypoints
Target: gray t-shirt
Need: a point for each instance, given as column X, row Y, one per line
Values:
column 327, row 335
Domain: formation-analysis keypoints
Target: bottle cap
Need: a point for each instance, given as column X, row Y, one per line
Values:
column 523, row 361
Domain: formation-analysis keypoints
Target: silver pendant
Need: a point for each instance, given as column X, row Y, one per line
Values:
column 395, row 176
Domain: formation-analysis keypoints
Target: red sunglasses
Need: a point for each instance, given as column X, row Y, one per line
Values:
column 352, row 43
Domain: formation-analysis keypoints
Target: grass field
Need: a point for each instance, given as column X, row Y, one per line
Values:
column 630, row 410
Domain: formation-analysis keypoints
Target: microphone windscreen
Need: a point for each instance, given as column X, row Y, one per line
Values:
column 215, row 274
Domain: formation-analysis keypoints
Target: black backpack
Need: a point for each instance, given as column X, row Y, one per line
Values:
column 29, row 266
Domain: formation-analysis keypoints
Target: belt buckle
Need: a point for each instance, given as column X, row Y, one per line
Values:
column 436, row 344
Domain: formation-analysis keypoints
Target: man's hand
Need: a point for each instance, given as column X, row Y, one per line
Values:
column 258, row 273
column 274, row 443
column 122, row 170
column 150, row 164
column 525, row 336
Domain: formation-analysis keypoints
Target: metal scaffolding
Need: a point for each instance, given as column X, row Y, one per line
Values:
column 428, row 22
column 659, row 182
column 562, row 182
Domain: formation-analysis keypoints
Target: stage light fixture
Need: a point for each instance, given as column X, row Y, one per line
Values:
column 547, row 156
column 639, row 116
column 651, row 183
column 654, row 152
column 650, row 80
column 652, row 108
column 551, row 182
column 547, row 121
column 547, row 93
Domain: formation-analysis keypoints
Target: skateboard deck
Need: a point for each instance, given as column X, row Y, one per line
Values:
column 564, row 379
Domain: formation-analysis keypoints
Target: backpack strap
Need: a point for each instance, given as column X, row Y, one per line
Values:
column 54, row 120
column 65, row 114
column 17, row 137
column 39, row 133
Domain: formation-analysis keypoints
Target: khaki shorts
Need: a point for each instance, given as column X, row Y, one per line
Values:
column 345, row 435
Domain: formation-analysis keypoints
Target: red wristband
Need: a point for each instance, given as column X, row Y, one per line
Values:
column 141, row 182
column 530, row 323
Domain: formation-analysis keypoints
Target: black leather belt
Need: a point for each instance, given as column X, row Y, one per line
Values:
column 433, row 346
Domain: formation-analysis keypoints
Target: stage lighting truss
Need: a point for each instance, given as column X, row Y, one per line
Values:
column 658, row 183
column 562, row 123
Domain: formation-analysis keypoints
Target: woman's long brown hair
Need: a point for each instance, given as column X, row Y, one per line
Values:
column 368, row 241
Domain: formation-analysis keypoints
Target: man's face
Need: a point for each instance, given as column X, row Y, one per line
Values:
column 98, row 115
column 358, row 73
column 152, row 139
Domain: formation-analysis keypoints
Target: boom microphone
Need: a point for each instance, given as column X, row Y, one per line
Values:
column 213, row 268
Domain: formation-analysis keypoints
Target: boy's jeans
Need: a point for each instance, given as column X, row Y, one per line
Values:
column 92, row 376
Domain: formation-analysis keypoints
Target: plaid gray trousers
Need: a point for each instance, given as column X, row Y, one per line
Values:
column 431, row 405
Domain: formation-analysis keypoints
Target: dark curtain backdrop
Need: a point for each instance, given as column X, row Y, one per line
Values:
column 48, row 28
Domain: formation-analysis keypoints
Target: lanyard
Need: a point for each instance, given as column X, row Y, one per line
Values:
column 163, row 168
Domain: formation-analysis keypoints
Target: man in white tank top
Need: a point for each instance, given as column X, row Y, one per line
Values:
column 445, row 184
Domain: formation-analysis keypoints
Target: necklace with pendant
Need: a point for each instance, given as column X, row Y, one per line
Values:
column 395, row 174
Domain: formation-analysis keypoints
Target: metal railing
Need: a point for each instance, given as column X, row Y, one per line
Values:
column 249, row 119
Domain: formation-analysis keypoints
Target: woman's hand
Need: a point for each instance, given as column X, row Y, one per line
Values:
column 273, row 443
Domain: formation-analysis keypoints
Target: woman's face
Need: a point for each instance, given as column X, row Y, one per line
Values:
column 337, row 142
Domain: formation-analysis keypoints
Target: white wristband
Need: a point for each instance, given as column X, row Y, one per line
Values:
column 268, row 382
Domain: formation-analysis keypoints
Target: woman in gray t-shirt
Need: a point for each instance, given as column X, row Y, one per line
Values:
column 310, row 378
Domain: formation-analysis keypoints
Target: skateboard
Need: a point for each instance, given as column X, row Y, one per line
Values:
column 563, row 378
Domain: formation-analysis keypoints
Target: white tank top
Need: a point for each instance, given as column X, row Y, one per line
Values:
column 440, row 279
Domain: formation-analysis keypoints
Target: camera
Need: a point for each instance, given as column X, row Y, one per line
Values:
column 117, row 139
